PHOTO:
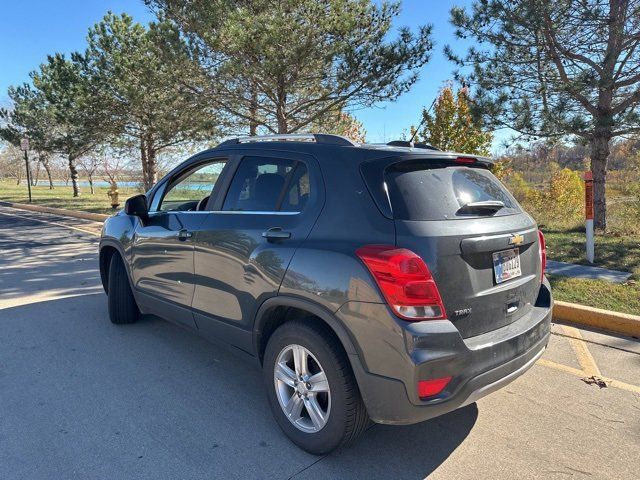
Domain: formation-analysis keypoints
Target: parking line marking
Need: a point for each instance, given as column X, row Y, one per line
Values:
column 622, row 385
column 585, row 359
column 51, row 223
column 581, row 374
column 559, row 366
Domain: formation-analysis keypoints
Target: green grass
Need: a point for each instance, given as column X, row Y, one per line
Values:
column 623, row 298
column 616, row 252
column 62, row 196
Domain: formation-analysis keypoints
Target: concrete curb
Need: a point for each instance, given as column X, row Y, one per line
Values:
column 96, row 217
column 613, row 322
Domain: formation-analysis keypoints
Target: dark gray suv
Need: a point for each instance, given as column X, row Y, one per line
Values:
column 391, row 283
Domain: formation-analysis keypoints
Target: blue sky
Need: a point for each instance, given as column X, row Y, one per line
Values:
column 31, row 29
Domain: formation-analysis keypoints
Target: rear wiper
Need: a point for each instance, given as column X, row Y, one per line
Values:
column 485, row 206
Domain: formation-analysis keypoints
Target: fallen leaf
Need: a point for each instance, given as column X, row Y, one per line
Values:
column 593, row 380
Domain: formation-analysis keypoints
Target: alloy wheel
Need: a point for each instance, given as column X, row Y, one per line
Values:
column 302, row 388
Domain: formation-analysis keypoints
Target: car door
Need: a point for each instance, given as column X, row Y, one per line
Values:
column 162, row 253
column 245, row 244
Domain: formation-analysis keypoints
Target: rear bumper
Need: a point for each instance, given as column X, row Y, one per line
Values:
column 390, row 366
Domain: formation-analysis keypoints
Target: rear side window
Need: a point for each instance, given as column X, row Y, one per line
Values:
column 268, row 185
column 417, row 192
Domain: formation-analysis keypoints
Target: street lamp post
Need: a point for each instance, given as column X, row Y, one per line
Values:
column 24, row 146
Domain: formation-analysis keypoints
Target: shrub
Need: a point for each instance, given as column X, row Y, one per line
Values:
column 565, row 198
column 558, row 205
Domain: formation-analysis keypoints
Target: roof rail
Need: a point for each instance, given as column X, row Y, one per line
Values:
column 293, row 137
column 406, row 143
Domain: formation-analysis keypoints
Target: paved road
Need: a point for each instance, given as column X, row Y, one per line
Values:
column 81, row 398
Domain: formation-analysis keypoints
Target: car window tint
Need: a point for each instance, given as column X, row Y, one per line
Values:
column 185, row 193
column 267, row 185
column 297, row 194
column 419, row 192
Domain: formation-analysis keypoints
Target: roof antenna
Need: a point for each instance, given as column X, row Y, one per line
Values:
column 422, row 122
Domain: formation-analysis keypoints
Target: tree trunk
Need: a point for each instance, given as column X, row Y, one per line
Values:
column 281, row 116
column 253, row 111
column 34, row 180
column 73, row 174
column 143, row 162
column 599, row 157
column 152, row 168
column 283, row 126
column 91, row 183
column 47, row 168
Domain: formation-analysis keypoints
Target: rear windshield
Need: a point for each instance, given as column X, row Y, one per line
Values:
column 418, row 192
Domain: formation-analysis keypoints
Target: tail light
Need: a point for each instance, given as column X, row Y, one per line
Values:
column 543, row 253
column 405, row 281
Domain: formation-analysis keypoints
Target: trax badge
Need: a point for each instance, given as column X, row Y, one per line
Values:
column 516, row 239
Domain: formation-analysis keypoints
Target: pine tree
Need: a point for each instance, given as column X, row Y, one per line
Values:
column 555, row 68
column 282, row 66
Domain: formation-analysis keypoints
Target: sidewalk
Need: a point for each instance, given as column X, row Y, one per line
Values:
column 585, row 271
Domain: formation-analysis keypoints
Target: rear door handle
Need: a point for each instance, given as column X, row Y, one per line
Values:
column 275, row 233
column 184, row 235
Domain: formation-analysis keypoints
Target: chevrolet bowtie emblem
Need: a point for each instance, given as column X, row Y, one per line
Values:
column 516, row 239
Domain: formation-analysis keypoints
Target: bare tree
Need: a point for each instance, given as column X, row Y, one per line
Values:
column 62, row 170
column 11, row 163
column 112, row 168
column 89, row 165
column 44, row 158
column 35, row 172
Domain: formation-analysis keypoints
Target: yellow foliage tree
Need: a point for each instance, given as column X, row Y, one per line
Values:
column 451, row 126
column 341, row 123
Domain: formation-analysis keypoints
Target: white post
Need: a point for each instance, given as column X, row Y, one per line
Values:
column 590, row 243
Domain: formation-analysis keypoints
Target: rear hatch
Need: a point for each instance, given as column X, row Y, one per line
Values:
column 481, row 247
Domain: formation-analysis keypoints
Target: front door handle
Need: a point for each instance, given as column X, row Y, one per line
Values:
column 276, row 233
column 184, row 235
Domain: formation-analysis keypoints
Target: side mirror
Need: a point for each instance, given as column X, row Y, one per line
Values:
column 137, row 206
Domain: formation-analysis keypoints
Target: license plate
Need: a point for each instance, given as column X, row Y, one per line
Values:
column 506, row 265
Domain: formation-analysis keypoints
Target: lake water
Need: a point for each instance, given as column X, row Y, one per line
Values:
column 83, row 183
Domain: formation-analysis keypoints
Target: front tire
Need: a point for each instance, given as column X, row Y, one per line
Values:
column 122, row 305
column 312, row 392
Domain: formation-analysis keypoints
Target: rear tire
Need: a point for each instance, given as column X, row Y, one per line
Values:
column 122, row 306
column 345, row 416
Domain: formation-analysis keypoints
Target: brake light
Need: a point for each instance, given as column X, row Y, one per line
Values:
column 429, row 388
column 543, row 253
column 466, row 160
column 405, row 281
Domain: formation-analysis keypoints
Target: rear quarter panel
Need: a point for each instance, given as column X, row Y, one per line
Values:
column 325, row 268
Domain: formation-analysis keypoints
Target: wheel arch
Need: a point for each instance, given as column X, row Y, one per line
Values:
column 269, row 317
column 106, row 252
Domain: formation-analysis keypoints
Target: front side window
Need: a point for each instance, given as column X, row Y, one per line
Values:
column 190, row 191
column 268, row 185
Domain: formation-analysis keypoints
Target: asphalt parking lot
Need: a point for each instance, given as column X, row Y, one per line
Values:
column 82, row 398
